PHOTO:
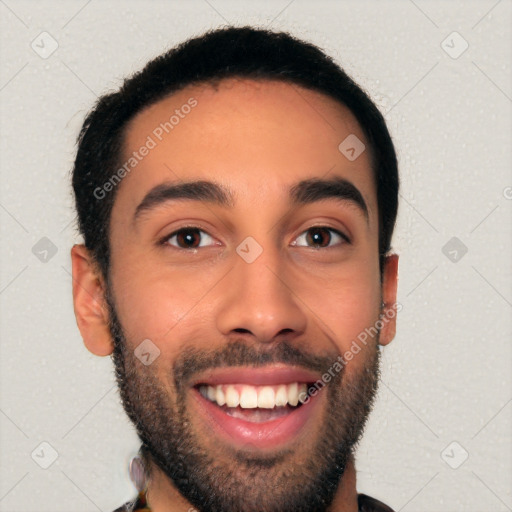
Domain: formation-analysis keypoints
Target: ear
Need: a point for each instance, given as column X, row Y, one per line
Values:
column 389, row 288
column 89, row 302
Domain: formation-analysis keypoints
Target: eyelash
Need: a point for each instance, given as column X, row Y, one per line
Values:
column 166, row 239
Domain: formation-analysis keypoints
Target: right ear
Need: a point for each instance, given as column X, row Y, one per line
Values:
column 90, row 303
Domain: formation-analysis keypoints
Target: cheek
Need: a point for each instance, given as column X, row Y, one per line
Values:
column 348, row 306
column 167, row 308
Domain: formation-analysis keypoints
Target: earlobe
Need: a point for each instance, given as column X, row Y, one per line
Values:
column 89, row 302
column 389, row 292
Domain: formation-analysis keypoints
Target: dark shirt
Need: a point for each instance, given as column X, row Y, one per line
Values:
column 365, row 503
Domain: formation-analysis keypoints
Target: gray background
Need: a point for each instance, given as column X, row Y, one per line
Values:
column 446, row 377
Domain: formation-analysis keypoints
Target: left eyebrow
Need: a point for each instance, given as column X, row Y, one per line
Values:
column 315, row 189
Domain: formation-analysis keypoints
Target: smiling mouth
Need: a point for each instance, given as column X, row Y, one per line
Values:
column 256, row 404
column 265, row 408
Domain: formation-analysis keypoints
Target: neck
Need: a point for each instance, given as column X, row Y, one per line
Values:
column 162, row 496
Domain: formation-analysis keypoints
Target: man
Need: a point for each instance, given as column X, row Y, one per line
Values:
column 237, row 199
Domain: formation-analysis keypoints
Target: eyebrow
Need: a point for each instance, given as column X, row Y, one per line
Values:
column 305, row 192
column 316, row 189
column 200, row 190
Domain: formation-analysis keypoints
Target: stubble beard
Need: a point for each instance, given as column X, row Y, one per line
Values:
column 302, row 478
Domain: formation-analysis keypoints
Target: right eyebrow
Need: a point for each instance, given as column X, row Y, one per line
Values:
column 201, row 190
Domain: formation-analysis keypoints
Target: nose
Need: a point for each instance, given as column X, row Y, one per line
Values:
column 259, row 302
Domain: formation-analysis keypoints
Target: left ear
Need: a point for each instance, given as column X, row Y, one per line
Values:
column 389, row 288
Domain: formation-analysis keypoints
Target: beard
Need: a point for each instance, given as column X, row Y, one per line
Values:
column 304, row 478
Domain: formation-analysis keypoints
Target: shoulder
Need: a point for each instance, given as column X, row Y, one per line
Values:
column 123, row 508
column 139, row 504
column 369, row 504
column 127, row 507
column 365, row 504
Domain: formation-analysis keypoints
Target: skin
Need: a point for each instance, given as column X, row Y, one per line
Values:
column 258, row 139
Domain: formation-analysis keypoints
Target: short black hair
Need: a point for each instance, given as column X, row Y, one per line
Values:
column 227, row 52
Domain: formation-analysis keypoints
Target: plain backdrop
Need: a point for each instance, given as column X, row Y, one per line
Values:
column 439, row 437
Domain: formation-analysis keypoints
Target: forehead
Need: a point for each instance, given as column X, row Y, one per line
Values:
column 257, row 138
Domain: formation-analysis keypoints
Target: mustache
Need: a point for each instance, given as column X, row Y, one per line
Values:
column 238, row 353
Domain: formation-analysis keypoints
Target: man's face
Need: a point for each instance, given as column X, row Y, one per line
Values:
column 248, row 301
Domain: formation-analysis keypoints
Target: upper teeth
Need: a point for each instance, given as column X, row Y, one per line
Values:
column 251, row 397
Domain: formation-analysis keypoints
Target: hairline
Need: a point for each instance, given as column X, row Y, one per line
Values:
column 215, row 83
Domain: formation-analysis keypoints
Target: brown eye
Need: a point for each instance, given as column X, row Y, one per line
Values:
column 321, row 237
column 318, row 236
column 189, row 238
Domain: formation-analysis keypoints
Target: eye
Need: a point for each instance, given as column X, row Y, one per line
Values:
column 189, row 238
column 320, row 237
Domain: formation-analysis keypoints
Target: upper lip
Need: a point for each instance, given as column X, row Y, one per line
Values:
column 271, row 375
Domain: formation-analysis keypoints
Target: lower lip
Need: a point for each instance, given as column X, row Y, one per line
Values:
column 267, row 434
